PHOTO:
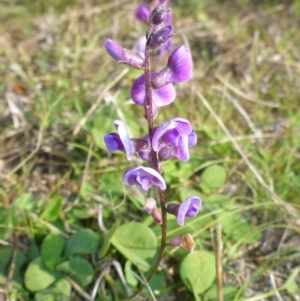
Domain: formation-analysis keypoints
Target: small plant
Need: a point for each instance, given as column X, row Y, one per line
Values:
column 173, row 138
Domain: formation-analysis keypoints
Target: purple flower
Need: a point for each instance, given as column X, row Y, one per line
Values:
column 179, row 69
column 189, row 208
column 161, row 97
column 124, row 56
column 121, row 141
column 173, row 138
column 145, row 177
column 142, row 13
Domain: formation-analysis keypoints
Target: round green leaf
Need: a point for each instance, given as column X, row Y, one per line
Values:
column 84, row 242
column 78, row 269
column 59, row 291
column 52, row 249
column 197, row 271
column 37, row 277
column 136, row 242
column 213, row 178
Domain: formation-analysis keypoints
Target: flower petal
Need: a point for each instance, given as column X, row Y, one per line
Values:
column 189, row 208
column 183, row 208
column 137, row 92
column 181, row 64
column 124, row 138
column 161, row 97
column 113, row 142
column 183, row 126
column 192, row 139
column 145, row 177
column 116, row 51
column 164, row 96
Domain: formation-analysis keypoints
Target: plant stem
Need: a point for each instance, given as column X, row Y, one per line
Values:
column 155, row 165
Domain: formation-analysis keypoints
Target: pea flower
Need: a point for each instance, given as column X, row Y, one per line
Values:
column 189, row 208
column 121, row 141
column 179, row 69
column 173, row 138
column 145, row 177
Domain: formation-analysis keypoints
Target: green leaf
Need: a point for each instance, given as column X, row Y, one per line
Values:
column 229, row 292
column 37, row 277
column 130, row 277
column 78, row 269
column 106, row 242
column 5, row 258
column 6, row 223
column 33, row 251
column 213, row 178
column 18, row 275
column 291, row 285
column 24, row 202
column 197, row 271
column 136, row 242
column 6, row 255
column 84, row 242
column 52, row 250
column 53, row 209
column 59, row 291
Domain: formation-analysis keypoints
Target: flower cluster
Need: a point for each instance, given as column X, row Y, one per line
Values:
column 143, row 14
column 154, row 90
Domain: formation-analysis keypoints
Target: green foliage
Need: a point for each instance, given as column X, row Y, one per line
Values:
column 38, row 277
column 58, row 291
column 52, row 250
column 83, row 242
column 136, row 242
column 79, row 269
column 53, row 209
column 197, row 271
column 213, row 178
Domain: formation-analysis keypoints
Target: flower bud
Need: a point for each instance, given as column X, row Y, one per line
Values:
column 151, row 208
column 124, row 56
column 160, row 37
column 159, row 14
